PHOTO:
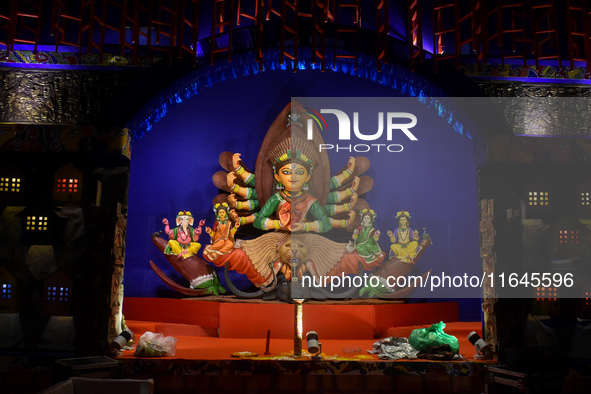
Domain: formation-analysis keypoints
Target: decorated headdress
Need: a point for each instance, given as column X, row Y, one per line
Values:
column 184, row 213
column 402, row 214
column 293, row 150
column 368, row 212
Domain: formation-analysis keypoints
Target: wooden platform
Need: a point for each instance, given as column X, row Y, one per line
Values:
column 209, row 331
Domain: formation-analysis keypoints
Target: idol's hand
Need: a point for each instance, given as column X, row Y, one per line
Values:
column 297, row 227
column 230, row 179
column 232, row 200
column 236, row 160
column 351, row 164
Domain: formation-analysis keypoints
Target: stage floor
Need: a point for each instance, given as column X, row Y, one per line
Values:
column 209, row 331
column 213, row 348
column 205, row 365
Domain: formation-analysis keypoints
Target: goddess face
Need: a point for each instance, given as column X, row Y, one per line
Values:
column 293, row 176
column 367, row 220
column 222, row 214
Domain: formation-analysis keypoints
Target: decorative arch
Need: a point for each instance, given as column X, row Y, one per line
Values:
column 400, row 79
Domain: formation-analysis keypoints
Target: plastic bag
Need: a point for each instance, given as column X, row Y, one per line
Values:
column 393, row 348
column 155, row 345
column 423, row 339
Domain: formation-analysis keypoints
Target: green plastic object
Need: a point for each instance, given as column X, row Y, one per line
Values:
column 424, row 339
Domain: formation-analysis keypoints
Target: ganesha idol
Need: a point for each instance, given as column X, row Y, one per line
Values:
column 182, row 240
column 181, row 252
column 306, row 212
